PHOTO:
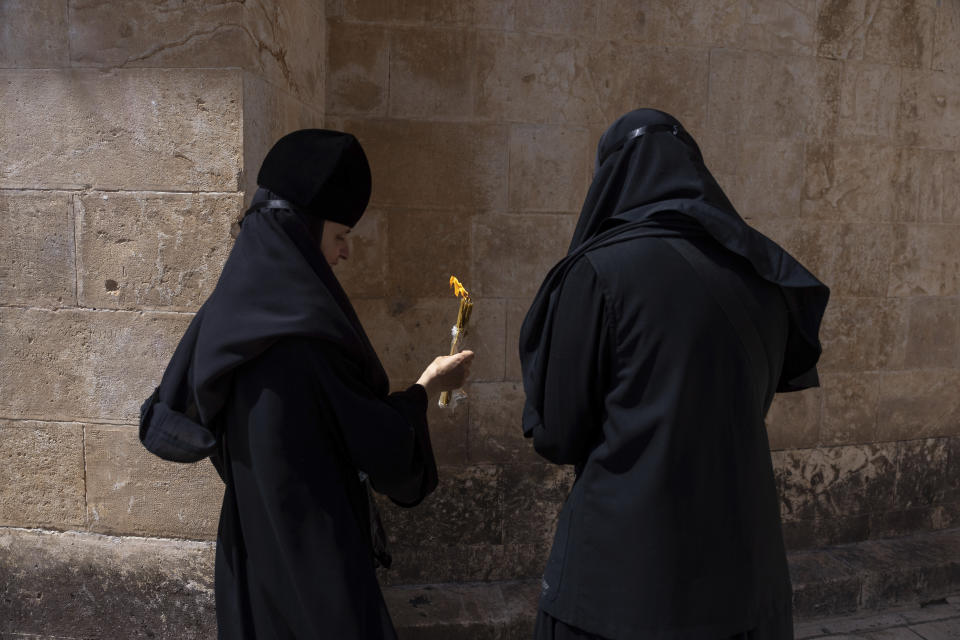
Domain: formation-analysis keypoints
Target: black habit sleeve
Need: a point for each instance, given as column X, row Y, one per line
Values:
column 386, row 437
column 575, row 372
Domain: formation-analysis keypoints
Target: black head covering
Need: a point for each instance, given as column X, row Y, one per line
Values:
column 650, row 181
column 275, row 283
column 325, row 173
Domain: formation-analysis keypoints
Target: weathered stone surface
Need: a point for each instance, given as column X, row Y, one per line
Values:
column 426, row 165
column 149, row 129
column 919, row 404
column 828, row 531
column 483, row 13
column 685, row 23
column 290, row 44
column 550, row 167
column 903, row 522
column 364, row 273
column 183, row 35
column 494, row 611
column 901, row 570
column 938, row 630
column 624, row 76
column 42, row 474
column 780, row 26
column 933, row 338
column 533, row 494
column 921, row 473
column 268, row 114
column 863, row 334
column 131, row 491
column 465, row 509
column 33, row 33
column 449, row 432
column 855, row 182
column 952, row 494
column 851, row 258
column 465, row 563
column 534, row 79
column 946, row 43
column 516, row 311
column 512, row 253
column 767, row 175
column 432, row 73
column 37, row 252
column 930, row 110
column 425, row 249
column 822, row 585
column 358, row 71
column 836, row 481
column 850, row 403
column 899, row 33
column 161, row 251
column 83, row 365
column 408, row 334
column 797, row 501
column 496, row 409
column 772, row 96
column 935, row 192
column 795, row 419
column 566, row 16
column 926, row 261
column 78, row 585
column 869, row 100
column 257, row 38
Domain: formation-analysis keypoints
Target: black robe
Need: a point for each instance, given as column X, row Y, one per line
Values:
column 293, row 548
column 277, row 382
column 650, row 357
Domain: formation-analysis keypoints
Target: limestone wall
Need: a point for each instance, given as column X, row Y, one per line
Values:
column 124, row 136
column 833, row 128
column 130, row 134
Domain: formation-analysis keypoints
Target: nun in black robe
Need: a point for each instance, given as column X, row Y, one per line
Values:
column 650, row 357
column 277, row 382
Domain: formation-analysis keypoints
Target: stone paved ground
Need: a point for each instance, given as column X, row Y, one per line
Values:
column 935, row 620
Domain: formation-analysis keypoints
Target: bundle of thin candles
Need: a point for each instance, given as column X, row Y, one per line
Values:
column 460, row 329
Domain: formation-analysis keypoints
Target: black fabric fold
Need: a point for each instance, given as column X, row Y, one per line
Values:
column 274, row 284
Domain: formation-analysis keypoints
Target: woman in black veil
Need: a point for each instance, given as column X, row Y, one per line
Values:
column 276, row 381
column 650, row 357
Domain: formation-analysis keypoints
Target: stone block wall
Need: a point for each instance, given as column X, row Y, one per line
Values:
column 125, row 135
column 831, row 125
column 129, row 139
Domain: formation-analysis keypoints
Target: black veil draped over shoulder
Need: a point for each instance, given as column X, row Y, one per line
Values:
column 275, row 284
column 650, row 181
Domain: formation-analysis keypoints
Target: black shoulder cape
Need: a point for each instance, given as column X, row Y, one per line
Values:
column 650, row 180
column 274, row 284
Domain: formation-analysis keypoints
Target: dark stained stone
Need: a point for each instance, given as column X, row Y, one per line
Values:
column 823, row 532
column 922, row 473
column 835, row 482
column 952, row 479
column 532, row 497
column 494, row 611
column 822, row 585
column 465, row 563
column 78, row 585
column 465, row 509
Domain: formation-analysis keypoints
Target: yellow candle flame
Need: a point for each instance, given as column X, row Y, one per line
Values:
column 458, row 289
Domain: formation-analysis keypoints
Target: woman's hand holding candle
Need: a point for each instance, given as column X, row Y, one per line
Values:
column 458, row 331
column 446, row 373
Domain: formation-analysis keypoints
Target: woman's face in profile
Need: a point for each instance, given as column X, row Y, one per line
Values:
column 333, row 242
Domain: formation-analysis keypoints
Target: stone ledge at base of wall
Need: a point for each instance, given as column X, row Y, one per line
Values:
column 71, row 585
